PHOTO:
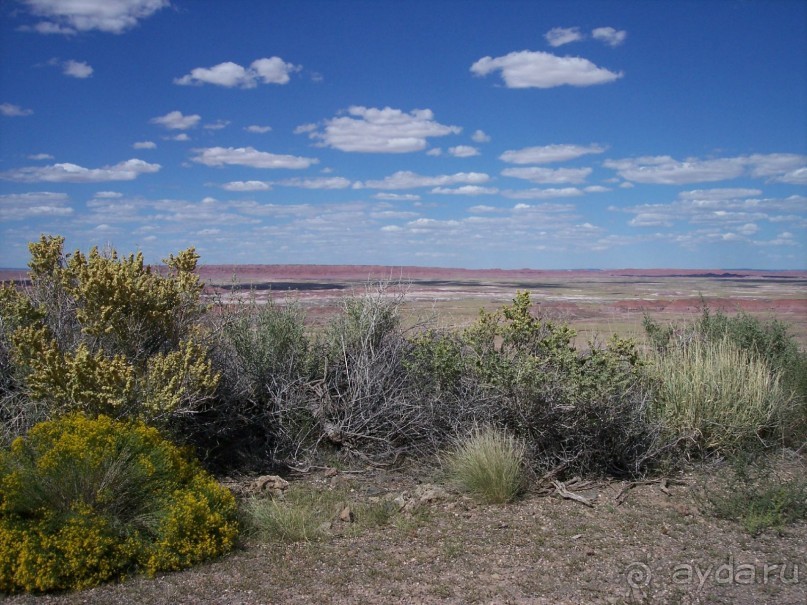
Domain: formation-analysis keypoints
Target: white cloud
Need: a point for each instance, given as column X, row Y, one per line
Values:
column 72, row 173
column 206, row 232
column 479, row 136
column 272, row 70
column 182, row 136
column 465, row 190
column 609, row 35
column 531, row 69
column 174, row 120
column 335, row 182
column 71, row 16
column 404, row 179
column 748, row 229
column 145, row 145
column 542, row 176
column 548, row 153
column 247, row 186
column 558, row 36
column 77, row 69
column 463, row 151
column 40, row 156
column 14, row 111
column 402, row 197
column 666, row 170
column 249, row 156
column 258, row 129
column 542, row 194
column 217, row 125
column 305, row 128
column 18, row 206
column 718, row 194
column 108, row 195
column 782, row 167
column 387, row 130
column 434, row 152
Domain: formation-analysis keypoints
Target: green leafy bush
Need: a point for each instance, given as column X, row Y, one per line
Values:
column 102, row 334
column 584, row 411
column 84, row 501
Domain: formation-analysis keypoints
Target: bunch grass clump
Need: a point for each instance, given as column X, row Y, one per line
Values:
column 489, row 464
column 718, row 397
column 87, row 500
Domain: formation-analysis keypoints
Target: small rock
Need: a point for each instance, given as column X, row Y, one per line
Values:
column 271, row 484
column 347, row 515
column 326, row 526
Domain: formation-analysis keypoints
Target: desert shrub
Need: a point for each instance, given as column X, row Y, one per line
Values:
column 261, row 410
column 717, row 397
column 84, row 501
column 489, row 464
column 102, row 334
column 583, row 411
column 362, row 398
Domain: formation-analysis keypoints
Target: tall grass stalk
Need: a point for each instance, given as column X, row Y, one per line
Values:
column 719, row 395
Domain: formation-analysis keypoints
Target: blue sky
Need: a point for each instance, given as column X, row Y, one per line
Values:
column 476, row 133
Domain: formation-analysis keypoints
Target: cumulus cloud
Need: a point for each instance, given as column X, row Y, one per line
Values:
column 145, row 145
column 666, row 170
column 72, row 16
column 388, row 130
column 108, row 195
column 18, row 206
column 72, row 173
column 249, row 156
column 558, row 36
column 404, row 179
column 333, row 182
column 258, row 129
column 609, row 35
column 463, row 151
column 542, row 194
column 77, row 69
column 14, row 111
column 738, row 209
column 548, row 153
column 538, row 175
column 465, row 190
column 272, row 70
column 247, row 186
column 397, row 197
column 174, row 120
column 217, row 125
column 479, row 136
column 535, row 69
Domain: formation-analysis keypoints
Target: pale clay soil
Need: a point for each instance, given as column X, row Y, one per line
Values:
column 656, row 544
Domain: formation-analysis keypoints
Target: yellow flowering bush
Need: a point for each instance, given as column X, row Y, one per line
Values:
column 103, row 334
column 86, row 500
